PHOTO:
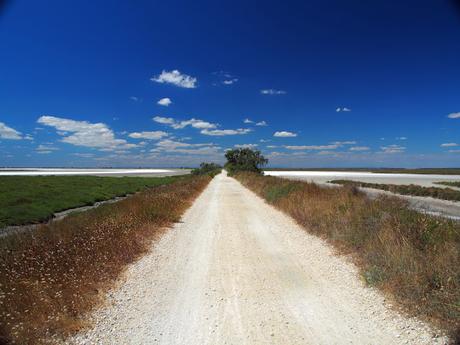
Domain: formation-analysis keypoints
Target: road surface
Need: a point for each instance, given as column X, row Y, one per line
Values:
column 237, row 271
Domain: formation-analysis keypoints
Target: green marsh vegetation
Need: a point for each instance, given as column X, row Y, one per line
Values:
column 34, row 199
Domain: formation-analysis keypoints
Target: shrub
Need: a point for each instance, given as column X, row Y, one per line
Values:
column 211, row 169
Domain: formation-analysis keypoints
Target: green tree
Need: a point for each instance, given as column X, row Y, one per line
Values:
column 244, row 160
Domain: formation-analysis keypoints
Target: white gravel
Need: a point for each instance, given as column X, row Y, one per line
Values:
column 237, row 271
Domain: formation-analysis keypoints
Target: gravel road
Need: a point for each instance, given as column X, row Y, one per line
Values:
column 237, row 271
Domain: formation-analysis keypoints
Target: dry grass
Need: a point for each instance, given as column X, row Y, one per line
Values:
column 51, row 277
column 413, row 257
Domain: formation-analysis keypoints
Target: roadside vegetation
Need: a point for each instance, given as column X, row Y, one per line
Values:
column 210, row 169
column 450, row 183
column 412, row 189
column 52, row 276
column 34, row 199
column 244, row 159
column 413, row 257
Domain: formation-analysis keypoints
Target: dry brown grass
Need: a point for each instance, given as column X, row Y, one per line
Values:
column 413, row 257
column 51, row 277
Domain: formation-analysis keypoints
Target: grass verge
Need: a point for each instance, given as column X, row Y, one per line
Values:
column 34, row 199
column 51, row 277
column 412, row 189
column 413, row 257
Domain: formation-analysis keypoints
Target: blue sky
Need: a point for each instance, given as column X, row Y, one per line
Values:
column 323, row 83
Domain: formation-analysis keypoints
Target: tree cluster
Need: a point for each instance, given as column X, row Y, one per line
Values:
column 244, row 159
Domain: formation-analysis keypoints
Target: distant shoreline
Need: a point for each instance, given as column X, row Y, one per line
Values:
column 92, row 171
column 434, row 171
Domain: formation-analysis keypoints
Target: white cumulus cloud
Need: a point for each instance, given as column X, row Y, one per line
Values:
column 454, row 115
column 225, row 78
column 45, row 149
column 449, row 145
column 176, row 78
column 312, row 147
column 272, row 92
column 84, row 155
column 344, row 109
column 260, row 123
column 360, row 148
column 393, row 149
column 150, row 135
column 9, row 133
column 172, row 146
column 207, row 128
column 246, row 146
column 223, row 132
column 284, row 134
column 195, row 123
column 83, row 133
column 327, row 153
column 341, row 143
column 164, row 102
column 164, row 120
column 230, row 81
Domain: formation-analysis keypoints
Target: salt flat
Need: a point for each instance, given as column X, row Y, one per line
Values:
column 94, row 172
column 426, row 180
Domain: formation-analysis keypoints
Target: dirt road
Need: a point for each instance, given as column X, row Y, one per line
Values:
column 237, row 271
